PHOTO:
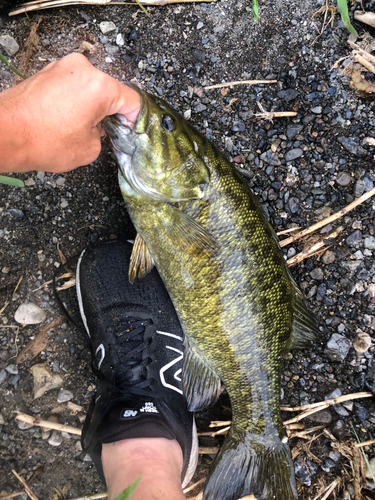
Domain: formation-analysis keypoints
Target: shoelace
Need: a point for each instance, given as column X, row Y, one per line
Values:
column 131, row 372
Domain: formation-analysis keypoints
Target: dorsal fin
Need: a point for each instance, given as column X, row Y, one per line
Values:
column 141, row 261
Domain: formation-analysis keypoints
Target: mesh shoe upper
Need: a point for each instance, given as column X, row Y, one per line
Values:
column 136, row 341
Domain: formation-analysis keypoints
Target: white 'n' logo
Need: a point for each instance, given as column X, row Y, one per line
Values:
column 176, row 375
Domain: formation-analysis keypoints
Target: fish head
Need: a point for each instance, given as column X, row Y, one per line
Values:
column 161, row 156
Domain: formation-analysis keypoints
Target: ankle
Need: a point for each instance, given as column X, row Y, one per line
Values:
column 158, row 461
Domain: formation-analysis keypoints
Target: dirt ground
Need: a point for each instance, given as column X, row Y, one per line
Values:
column 302, row 169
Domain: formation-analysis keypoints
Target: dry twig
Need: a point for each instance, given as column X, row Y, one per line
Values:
column 23, row 417
column 270, row 115
column 316, row 248
column 25, row 485
column 327, row 490
column 96, row 496
column 240, row 82
column 193, row 486
column 329, row 219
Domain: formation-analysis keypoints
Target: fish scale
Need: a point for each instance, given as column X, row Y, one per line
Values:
column 225, row 273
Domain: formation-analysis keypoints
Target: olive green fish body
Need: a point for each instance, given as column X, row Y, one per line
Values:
column 237, row 303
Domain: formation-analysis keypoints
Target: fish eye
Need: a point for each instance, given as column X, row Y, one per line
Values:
column 167, row 123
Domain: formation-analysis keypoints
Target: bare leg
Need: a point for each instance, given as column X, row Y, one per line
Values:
column 157, row 460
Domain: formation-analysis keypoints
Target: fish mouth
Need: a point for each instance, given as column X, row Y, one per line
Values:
column 120, row 132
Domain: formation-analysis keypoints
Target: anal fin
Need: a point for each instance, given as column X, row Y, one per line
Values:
column 201, row 385
column 141, row 261
column 304, row 330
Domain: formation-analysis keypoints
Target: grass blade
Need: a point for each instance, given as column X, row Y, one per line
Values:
column 147, row 14
column 255, row 10
column 364, row 455
column 129, row 490
column 10, row 66
column 10, row 181
column 343, row 8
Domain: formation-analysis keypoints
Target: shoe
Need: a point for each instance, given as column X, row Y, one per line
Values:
column 137, row 347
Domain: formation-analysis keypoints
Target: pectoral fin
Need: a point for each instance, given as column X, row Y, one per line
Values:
column 190, row 235
column 201, row 385
column 141, row 261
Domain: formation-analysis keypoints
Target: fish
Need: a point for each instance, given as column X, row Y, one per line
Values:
column 199, row 223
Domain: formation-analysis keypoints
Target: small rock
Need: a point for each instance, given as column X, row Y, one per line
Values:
column 336, row 393
column 351, row 145
column 120, row 40
column 361, row 412
column 133, row 35
column 112, row 49
column 12, row 369
column 370, row 473
column 198, row 55
column 288, row 94
column 338, row 347
column 340, row 410
column 317, row 274
column 24, row 425
column 16, row 213
column 293, row 154
column 60, row 181
column 199, row 108
column 238, row 127
column 9, row 44
column 55, row 439
column 323, row 417
column 369, row 242
column 199, row 25
column 270, row 157
column 362, row 342
column 78, row 446
column 2, row 420
column 344, row 179
column 29, row 182
column 293, row 129
column 29, row 313
column 64, row 396
column 359, row 188
column 328, row 257
column 316, row 110
column 107, row 27
column 44, row 380
column 354, row 238
column 334, row 455
column 3, row 376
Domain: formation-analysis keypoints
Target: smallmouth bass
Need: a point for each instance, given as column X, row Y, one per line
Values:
column 239, row 307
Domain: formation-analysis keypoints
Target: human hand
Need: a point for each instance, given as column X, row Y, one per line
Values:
column 51, row 121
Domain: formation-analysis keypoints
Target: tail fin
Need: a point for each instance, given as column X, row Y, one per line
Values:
column 252, row 464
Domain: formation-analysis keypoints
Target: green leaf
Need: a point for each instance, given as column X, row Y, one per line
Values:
column 11, row 182
column 255, row 10
column 129, row 490
column 343, row 8
column 10, row 66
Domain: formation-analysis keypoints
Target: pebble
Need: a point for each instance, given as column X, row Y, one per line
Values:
column 199, row 108
column 3, row 376
column 317, row 274
column 12, row 369
column 338, row 347
column 2, row 419
column 293, row 154
column 323, row 417
column 271, row 158
column 317, row 110
column 328, row 257
column 60, row 181
column 55, row 439
column 304, row 471
column 288, row 95
column 361, row 412
column 354, row 238
column 9, row 44
column 29, row 313
column 351, row 145
column 359, row 188
column 334, row 455
column 64, row 396
column 362, row 342
column 336, row 393
column 340, row 410
column 107, row 27
column 112, row 49
column 293, row 129
column 369, row 242
column 198, row 55
column 16, row 212
column 44, row 380
column 370, row 473
column 78, row 446
column 238, row 127
column 344, row 179
column 24, row 425
column 120, row 40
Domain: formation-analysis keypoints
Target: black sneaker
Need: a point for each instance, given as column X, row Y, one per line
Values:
column 137, row 345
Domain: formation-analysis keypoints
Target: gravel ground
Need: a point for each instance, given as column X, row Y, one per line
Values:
column 302, row 169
